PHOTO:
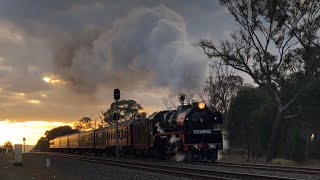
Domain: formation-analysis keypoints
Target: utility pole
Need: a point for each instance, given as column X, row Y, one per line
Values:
column 116, row 95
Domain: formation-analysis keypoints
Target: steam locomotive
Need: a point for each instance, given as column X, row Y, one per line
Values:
column 189, row 132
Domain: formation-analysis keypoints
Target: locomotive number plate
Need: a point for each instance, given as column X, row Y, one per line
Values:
column 203, row 131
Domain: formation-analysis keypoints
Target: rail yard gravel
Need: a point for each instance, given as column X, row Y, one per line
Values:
column 211, row 166
column 242, row 170
column 63, row 168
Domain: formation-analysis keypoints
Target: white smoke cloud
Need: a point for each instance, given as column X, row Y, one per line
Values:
column 149, row 47
column 225, row 144
column 174, row 139
column 179, row 157
column 159, row 129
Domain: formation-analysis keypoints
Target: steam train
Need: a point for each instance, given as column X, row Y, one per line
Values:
column 189, row 132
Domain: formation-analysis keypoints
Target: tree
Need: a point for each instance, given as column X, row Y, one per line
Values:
column 43, row 142
column 59, row 131
column 248, row 119
column 309, row 100
column 298, row 146
column 42, row 145
column 263, row 47
column 85, row 123
column 8, row 145
column 128, row 109
column 102, row 122
column 220, row 87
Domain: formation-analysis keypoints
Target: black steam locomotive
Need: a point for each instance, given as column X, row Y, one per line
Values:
column 190, row 132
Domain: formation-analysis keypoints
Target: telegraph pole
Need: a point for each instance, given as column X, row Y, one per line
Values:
column 116, row 95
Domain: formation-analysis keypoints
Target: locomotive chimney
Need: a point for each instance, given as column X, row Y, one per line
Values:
column 182, row 98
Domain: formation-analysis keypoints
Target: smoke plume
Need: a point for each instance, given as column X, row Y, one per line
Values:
column 225, row 144
column 159, row 129
column 149, row 47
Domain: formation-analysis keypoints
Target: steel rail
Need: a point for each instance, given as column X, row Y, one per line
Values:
column 266, row 167
column 196, row 173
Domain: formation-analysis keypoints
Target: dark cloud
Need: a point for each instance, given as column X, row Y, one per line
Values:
column 78, row 14
column 143, row 47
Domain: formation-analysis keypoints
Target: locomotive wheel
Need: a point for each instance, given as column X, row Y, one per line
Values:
column 160, row 149
column 215, row 155
column 189, row 156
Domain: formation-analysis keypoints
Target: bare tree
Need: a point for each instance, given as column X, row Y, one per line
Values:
column 220, row 87
column 261, row 47
column 85, row 123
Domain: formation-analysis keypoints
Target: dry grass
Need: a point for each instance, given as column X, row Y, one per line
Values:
column 240, row 156
column 7, row 160
column 284, row 162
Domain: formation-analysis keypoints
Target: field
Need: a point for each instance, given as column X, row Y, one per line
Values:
column 32, row 169
column 6, row 160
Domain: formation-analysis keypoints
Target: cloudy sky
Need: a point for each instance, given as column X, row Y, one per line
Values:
column 60, row 60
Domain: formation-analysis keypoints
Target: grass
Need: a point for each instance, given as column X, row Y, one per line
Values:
column 240, row 156
column 7, row 159
column 283, row 162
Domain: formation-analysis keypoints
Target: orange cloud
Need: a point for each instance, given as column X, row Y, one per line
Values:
column 31, row 130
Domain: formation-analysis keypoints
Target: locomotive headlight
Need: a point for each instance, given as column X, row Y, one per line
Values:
column 201, row 105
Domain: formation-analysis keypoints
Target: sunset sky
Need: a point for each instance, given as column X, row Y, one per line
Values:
column 60, row 60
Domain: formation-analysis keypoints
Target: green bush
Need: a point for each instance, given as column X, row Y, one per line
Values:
column 298, row 147
column 283, row 162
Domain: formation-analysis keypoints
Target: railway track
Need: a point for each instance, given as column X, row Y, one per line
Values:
column 172, row 169
column 265, row 167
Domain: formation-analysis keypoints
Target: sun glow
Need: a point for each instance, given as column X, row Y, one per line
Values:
column 31, row 130
column 52, row 81
column 34, row 101
column 47, row 79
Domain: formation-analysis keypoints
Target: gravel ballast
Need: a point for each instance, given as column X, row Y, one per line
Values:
column 63, row 168
column 210, row 166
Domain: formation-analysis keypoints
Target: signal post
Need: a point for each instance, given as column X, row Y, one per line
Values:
column 116, row 96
